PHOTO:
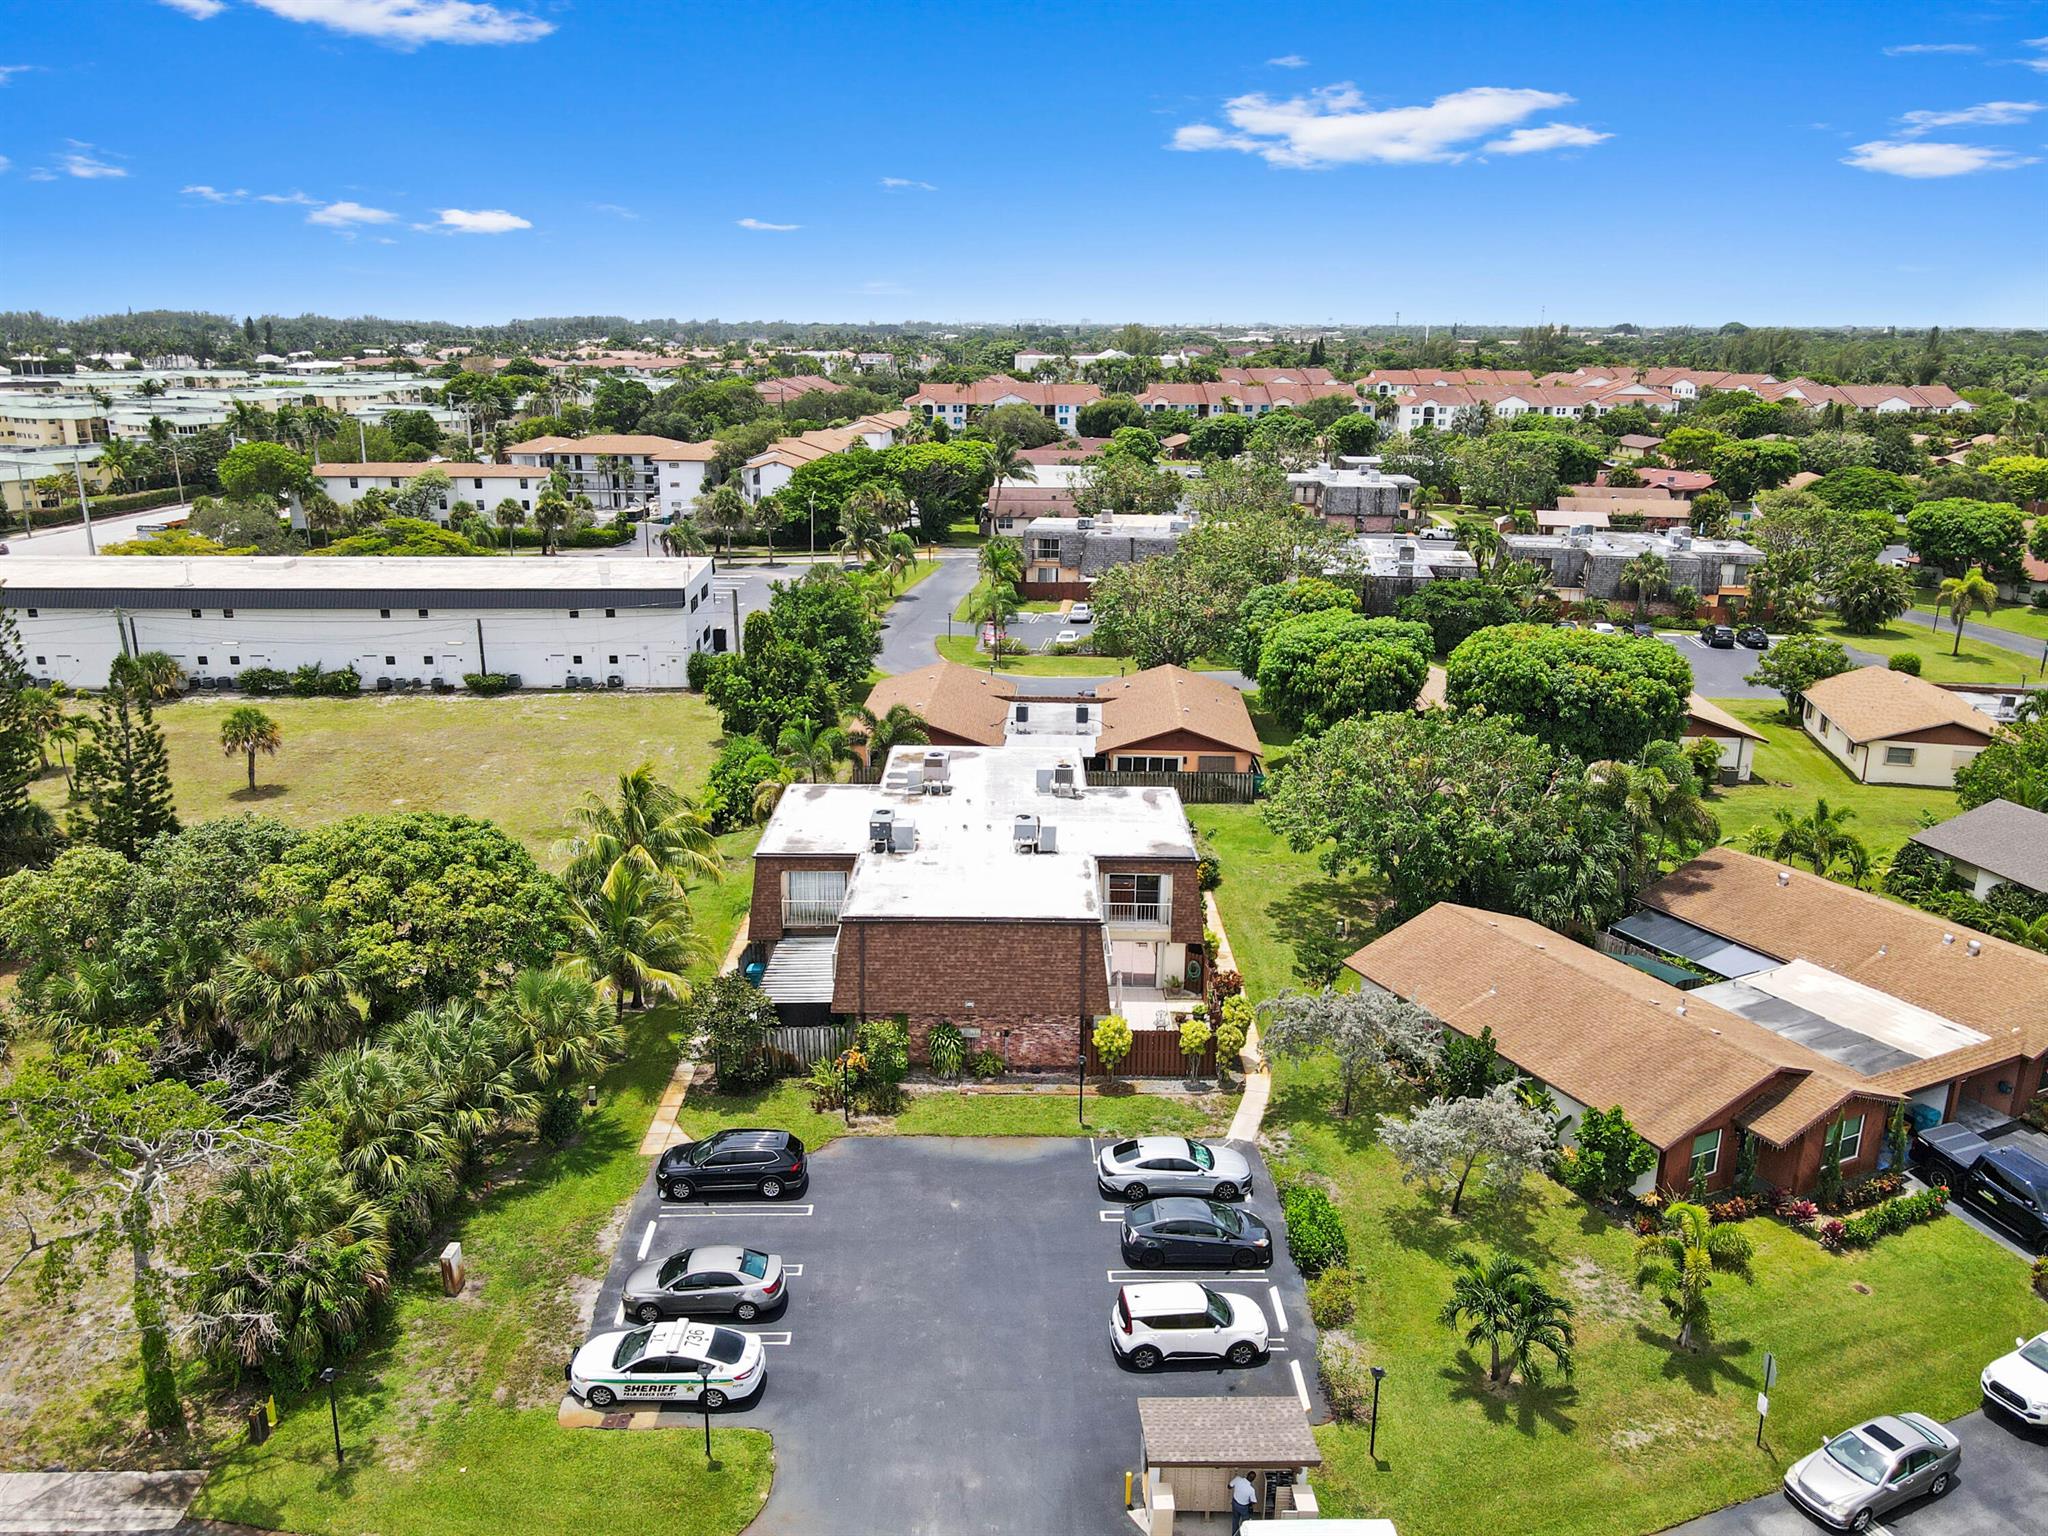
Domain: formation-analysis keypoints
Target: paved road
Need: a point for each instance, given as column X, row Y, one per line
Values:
column 51, row 543
column 947, row 1365
column 2002, row 1490
column 1983, row 634
column 921, row 615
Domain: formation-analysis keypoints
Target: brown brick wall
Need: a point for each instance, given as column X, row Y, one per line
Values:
column 1187, row 895
column 1020, row 976
column 764, row 916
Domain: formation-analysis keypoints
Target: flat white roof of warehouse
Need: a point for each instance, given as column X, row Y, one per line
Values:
column 300, row 581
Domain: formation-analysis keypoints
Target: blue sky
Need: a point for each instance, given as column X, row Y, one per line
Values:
column 879, row 161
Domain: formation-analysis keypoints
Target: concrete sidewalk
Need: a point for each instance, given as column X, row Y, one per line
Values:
column 91, row 1503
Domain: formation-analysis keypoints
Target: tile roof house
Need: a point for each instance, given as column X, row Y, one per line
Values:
column 958, row 404
column 1997, row 843
column 614, row 469
column 782, row 391
column 771, row 469
column 1890, row 727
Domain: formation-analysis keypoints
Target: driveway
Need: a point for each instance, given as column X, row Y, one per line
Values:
column 943, row 1363
column 2001, row 1491
column 1724, row 674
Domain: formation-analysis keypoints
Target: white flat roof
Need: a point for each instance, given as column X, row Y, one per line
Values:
column 331, row 573
column 1863, row 1010
column 964, row 863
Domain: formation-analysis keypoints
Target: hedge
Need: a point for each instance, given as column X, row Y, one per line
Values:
column 1315, row 1233
column 102, row 506
column 1860, row 1231
column 487, row 683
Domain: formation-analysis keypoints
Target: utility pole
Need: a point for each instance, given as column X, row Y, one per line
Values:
column 84, row 504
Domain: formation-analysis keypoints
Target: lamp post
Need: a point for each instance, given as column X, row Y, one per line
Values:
column 701, row 1403
column 1081, row 1086
column 328, row 1376
column 1372, row 1443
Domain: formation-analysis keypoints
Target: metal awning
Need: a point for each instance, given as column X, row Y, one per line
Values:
column 1708, row 951
column 800, row 970
column 1670, row 975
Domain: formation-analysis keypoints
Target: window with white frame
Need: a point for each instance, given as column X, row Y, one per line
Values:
column 1847, row 1137
column 1899, row 757
column 1706, row 1154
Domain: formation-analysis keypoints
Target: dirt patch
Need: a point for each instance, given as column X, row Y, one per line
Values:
column 1661, row 1434
column 1598, row 1293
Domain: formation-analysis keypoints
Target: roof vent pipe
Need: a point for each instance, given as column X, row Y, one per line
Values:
column 1976, row 948
column 1784, row 877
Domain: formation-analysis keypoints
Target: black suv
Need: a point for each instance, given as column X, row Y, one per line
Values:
column 2010, row 1189
column 765, row 1163
column 1719, row 636
column 1754, row 636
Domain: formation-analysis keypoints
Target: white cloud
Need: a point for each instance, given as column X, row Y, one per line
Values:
column 616, row 210
column 1529, row 141
column 1334, row 126
column 82, row 161
column 1984, row 113
column 214, row 194
column 1900, row 49
column 298, row 198
column 2040, row 63
column 198, row 10
column 907, row 184
column 9, row 71
column 4, row 164
column 42, row 173
column 761, row 224
column 883, row 286
column 412, row 23
column 480, row 221
column 1289, row 61
column 1925, row 159
column 341, row 215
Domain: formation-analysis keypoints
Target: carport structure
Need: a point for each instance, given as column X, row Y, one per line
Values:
column 1191, row 1447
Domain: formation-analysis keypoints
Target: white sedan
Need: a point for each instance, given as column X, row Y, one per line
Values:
column 1145, row 1166
column 1080, row 613
column 669, row 1363
column 2018, row 1382
column 1067, row 637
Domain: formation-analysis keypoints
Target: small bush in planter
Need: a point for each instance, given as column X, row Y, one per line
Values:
column 1333, row 1298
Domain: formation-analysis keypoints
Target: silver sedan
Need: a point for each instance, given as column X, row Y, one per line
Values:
column 1172, row 1165
column 1866, row 1471
column 720, row 1281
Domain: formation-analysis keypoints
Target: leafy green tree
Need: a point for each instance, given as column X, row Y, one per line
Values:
column 995, row 604
column 248, row 730
column 1795, row 664
column 1139, row 443
column 122, row 784
column 1606, row 1156
column 1352, row 435
column 1445, row 1142
column 413, row 429
column 1024, row 425
column 1863, row 488
column 2014, row 767
column 1710, row 514
column 1956, row 534
column 1112, row 1037
column 1691, row 447
column 1375, row 1039
column 1503, row 1305
column 1274, row 603
column 28, row 832
column 1324, row 666
column 416, row 536
column 1286, row 438
column 2024, row 476
column 1868, row 596
column 945, row 482
column 1740, row 470
column 423, row 494
column 1594, row 695
column 1156, row 612
column 1680, row 1262
column 729, row 1019
column 267, row 470
column 1101, row 418
column 1960, row 594
column 1457, row 608
column 1510, row 470
column 618, row 404
column 1115, row 484
column 154, row 676
column 1219, row 437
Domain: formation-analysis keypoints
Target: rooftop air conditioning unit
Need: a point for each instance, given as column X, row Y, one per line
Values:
column 880, row 820
column 1085, row 524
column 1063, row 781
column 902, row 837
column 1024, row 833
column 1048, row 839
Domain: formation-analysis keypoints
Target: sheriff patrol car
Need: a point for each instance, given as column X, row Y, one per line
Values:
column 669, row 1363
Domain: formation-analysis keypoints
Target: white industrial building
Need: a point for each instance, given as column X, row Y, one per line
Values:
column 423, row 620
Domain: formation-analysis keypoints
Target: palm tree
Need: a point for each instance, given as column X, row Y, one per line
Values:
column 1508, row 1309
column 1681, row 1260
column 556, row 1028
column 1481, row 541
column 994, row 604
column 2034, row 935
column 247, row 730
column 860, row 529
column 1001, row 560
column 391, row 1141
column 41, row 715
column 609, row 465
column 155, row 675
column 683, row 537
column 652, row 824
column 1820, row 837
column 508, row 514
column 248, row 421
column 290, row 990
column 476, row 1083
column 551, row 514
column 164, row 440
column 814, row 751
column 120, row 459
column 724, row 511
column 1646, row 576
column 1959, row 594
column 634, row 937
column 879, row 735
column 1009, row 464
column 898, row 559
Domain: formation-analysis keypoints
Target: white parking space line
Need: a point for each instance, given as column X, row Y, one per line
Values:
column 621, row 1318
column 1300, row 1386
column 773, row 1338
column 1279, row 1311
column 737, row 1210
column 1110, row 1215
column 647, row 1239
column 1213, row 1276
column 792, row 1270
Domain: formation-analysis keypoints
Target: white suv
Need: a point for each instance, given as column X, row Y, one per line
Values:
column 1181, row 1320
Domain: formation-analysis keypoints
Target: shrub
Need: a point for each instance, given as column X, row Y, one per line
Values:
column 698, row 668
column 1799, row 1210
column 1224, row 985
column 1333, row 1298
column 1233, row 1028
column 827, row 1085
column 1347, row 1378
column 983, row 1065
column 560, row 1118
column 1112, row 1041
column 1831, row 1236
column 1608, row 1158
column 730, row 1017
column 1734, row 1208
column 1208, row 871
column 1195, row 1035
column 2040, row 1270
column 314, row 681
column 1882, row 1220
column 944, row 1048
column 487, row 683
column 262, row 680
column 1315, row 1234
column 1904, row 661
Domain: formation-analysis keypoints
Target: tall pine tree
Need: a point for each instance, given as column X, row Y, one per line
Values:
column 122, row 778
column 28, row 832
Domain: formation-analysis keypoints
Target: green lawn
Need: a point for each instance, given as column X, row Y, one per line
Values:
column 1641, row 1437
column 449, row 1415
column 1976, row 662
column 522, row 760
column 962, row 649
column 964, row 612
column 1270, row 894
column 1792, row 771
column 2024, row 620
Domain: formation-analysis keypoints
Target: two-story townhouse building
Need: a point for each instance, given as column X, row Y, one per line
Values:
column 958, row 404
column 618, row 471
column 482, row 485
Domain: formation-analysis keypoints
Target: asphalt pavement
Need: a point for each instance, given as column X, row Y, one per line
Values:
column 943, row 1363
column 1985, row 634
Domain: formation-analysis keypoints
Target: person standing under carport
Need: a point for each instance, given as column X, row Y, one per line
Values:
column 1243, row 1496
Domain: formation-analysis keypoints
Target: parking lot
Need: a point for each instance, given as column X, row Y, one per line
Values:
column 943, row 1363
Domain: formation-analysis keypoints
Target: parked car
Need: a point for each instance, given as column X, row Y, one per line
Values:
column 1081, row 613
column 1719, row 636
column 1172, row 1165
column 2018, row 1382
column 2003, row 1185
column 1604, row 628
column 669, row 1362
column 1877, row 1466
column 1643, row 631
column 1067, row 637
column 724, row 1280
column 1181, row 1320
column 1753, row 636
column 767, row 1163
column 1197, row 1234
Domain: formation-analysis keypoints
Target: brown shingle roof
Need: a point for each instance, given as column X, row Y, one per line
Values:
column 1160, row 700
column 2001, row 991
column 1706, row 718
column 1598, row 1030
column 1878, row 704
column 1255, row 1432
column 960, row 701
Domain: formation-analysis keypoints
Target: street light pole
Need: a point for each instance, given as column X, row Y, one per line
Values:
column 84, row 503
column 333, row 1412
column 1372, row 1443
column 701, row 1403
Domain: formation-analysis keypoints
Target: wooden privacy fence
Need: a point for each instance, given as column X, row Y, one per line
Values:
column 1155, row 1053
column 796, row 1048
column 1195, row 788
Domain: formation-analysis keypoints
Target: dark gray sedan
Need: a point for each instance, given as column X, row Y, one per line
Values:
column 720, row 1281
column 1869, row 1470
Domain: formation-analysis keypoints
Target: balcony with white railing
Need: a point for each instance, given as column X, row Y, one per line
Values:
column 1137, row 913
column 810, row 914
